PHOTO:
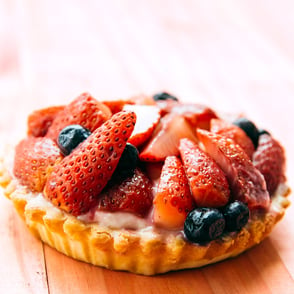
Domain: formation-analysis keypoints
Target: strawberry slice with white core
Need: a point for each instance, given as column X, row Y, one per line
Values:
column 246, row 182
column 148, row 117
column 173, row 200
column 166, row 137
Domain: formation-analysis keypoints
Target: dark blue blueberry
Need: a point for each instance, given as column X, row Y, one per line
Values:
column 164, row 96
column 236, row 215
column 127, row 164
column 204, row 224
column 70, row 137
column 249, row 128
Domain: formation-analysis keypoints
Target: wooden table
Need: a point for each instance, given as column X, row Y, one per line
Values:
column 232, row 55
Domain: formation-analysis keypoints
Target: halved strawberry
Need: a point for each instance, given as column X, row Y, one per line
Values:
column 166, row 137
column 76, row 182
column 117, row 105
column 133, row 195
column 246, row 182
column 40, row 120
column 34, row 160
column 198, row 115
column 233, row 132
column 148, row 117
column 208, row 182
column 85, row 111
column 269, row 158
column 173, row 200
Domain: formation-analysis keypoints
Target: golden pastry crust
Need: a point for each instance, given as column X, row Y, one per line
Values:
column 143, row 251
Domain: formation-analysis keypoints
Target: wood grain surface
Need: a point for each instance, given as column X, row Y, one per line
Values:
column 236, row 56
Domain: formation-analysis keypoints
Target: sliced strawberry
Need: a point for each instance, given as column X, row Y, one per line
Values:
column 40, row 120
column 117, row 105
column 166, row 137
column 85, row 111
column 75, row 183
column 208, row 182
column 133, row 195
column 233, row 132
column 199, row 116
column 148, row 117
column 246, row 182
column 173, row 200
column 270, row 160
column 34, row 160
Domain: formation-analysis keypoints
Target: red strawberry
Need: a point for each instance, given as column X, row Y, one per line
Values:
column 166, row 137
column 133, row 195
column 116, row 105
column 233, row 132
column 85, row 111
column 197, row 115
column 208, row 182
column 270, row 160
column 173, row 200
column 148, row 117
column 75, row 183
column 40, row 120
column 246, row 182
column 34, row 160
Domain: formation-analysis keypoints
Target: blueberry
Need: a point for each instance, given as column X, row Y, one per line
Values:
column 236, row 215
column 164, row 96
column 249, row 128
column 127, row 164
column 70, row 137
column 204, row 224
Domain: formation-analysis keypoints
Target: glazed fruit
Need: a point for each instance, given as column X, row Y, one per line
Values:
column 164, row 96
column 173, row 199
column 208, row 182
column 34, row 160
column 246, row 182
column 249, row 128
column 236, row 215
column 204, row 224
column 148, row 117
column 70, row 137
column 40, row 120
column 126, row 165
column 233, row 132
column 270, row 160
column 166, row 137
column 79, row 178
column 84, row 110
column 133, row 195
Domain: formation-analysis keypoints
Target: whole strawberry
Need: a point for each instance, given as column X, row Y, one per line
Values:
column 270, row 160
column 173, row 200
column 84, row 110
column 34, row 160
column 75, row 183
column 208, row 182
column 133, row 195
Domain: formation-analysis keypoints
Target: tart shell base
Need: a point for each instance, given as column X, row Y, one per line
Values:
column 141, row 252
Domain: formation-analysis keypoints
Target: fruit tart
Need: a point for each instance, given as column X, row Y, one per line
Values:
column 146, row 184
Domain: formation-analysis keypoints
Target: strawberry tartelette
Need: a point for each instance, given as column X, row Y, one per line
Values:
column 146, row 184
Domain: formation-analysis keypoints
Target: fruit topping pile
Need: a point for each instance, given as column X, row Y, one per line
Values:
column 179, row 165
